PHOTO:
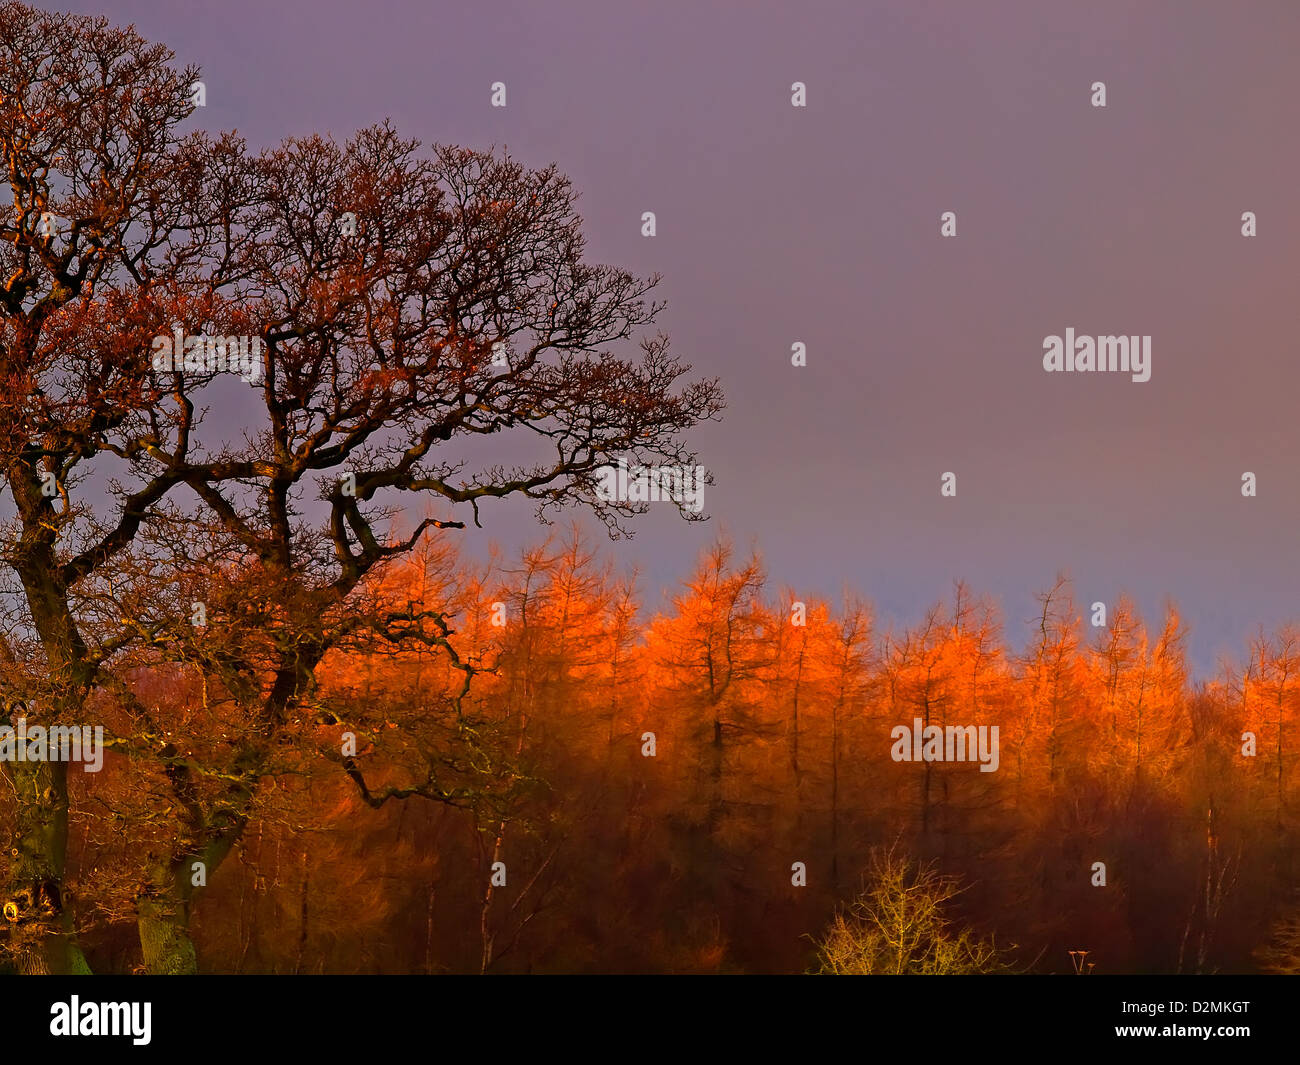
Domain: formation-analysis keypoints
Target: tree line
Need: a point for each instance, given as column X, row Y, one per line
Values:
column 565, row 781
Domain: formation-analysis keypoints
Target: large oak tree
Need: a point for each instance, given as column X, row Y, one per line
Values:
column 408, row 304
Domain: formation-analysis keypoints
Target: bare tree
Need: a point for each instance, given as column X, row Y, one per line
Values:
column 405, row 306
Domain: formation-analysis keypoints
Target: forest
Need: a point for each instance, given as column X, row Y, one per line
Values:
column 623, row 792
column 269, row 702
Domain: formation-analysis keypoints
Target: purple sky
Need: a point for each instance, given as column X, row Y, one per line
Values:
column 822, row 225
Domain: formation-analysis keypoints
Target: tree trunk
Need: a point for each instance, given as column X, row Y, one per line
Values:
column 164, row 926
column 39, row 921
column 163, row 907
column 39, row 916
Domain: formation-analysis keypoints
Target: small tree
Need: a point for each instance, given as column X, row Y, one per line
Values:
column 1281, row 954
column 897, row 927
